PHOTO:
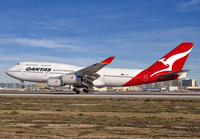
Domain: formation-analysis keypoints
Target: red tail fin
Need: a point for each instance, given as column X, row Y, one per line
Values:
column 172, row 62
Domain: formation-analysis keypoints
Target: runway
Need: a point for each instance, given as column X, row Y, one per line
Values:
column 105, row 95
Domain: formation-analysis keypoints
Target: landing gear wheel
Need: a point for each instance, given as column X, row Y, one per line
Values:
column 22, row 86
column 85, row 91
column 77, row 92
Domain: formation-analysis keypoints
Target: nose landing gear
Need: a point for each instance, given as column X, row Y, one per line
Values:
column 22, row 86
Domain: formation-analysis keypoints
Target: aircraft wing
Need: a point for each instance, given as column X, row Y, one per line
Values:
column 95, row 67
column 89, row 74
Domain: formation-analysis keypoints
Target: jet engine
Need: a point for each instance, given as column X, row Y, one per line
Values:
column 71, row 79
column 54, row 82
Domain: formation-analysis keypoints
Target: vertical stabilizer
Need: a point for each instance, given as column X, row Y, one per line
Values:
column 169, row 67
column 173, row 61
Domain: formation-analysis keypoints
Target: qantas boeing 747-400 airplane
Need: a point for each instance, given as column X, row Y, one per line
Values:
column 167, row 68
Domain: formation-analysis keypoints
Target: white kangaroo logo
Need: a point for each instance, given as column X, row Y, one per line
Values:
column 170, row 61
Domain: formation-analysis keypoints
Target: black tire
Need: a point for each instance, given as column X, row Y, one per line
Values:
column 22, row 86
column 85, row 91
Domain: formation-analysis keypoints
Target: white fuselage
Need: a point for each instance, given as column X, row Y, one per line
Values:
column 42, row 71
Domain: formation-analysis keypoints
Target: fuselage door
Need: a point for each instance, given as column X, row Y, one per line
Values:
column 45, row 76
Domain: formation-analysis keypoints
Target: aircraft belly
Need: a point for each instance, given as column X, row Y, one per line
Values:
column 115, row 81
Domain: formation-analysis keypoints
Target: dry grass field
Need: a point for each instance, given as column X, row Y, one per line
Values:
column 24, row 117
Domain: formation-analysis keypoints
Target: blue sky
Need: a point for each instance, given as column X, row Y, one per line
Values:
column 83, row 32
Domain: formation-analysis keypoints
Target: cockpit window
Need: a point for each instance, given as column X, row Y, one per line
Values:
column 17, row 63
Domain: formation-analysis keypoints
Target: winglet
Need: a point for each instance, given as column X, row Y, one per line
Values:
column 108, row 60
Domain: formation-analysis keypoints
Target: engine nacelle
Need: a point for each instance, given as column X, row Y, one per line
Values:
column 70, row 79
column 54, row 82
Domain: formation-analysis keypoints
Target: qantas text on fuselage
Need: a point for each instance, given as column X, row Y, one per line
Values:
column 84, row 79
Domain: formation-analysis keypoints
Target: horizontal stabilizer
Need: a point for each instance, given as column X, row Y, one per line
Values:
column 176, row 73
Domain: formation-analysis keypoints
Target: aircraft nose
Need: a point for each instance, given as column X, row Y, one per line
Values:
column 8, row 72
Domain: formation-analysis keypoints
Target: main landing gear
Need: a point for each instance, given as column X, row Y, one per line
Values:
column 85, row 91
column 78, row 90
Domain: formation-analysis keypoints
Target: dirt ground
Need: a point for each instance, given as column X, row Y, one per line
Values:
column 30, row 117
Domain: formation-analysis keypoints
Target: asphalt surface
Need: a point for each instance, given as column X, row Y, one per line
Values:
column 105, row 95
